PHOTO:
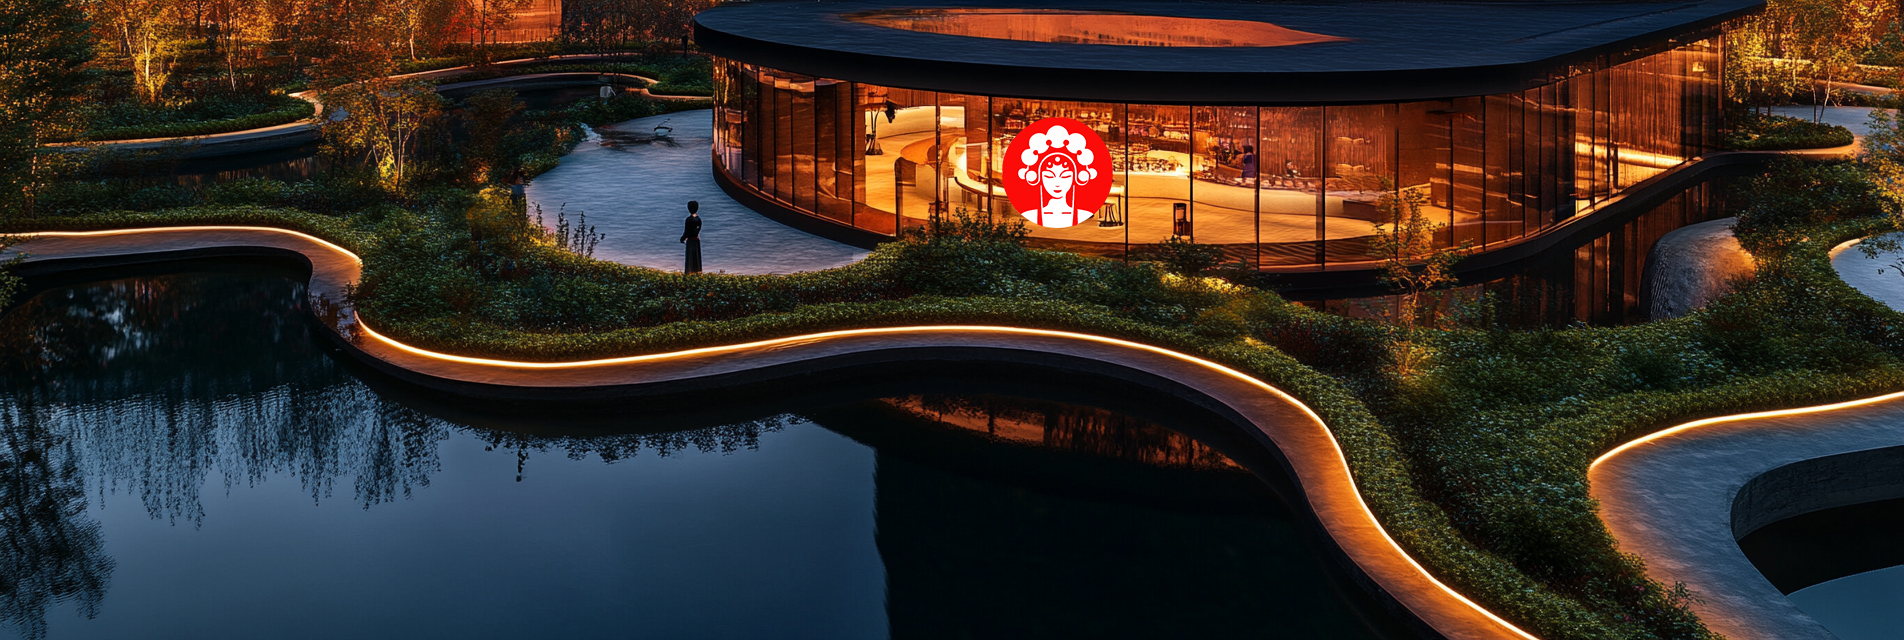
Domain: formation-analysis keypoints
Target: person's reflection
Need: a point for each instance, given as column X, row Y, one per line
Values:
column 50, row 551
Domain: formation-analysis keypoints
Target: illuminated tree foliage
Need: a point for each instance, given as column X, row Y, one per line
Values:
column 606, row 24
column 383, row 119
column 1796, row 47
column 1414, row 267
column 43, row 50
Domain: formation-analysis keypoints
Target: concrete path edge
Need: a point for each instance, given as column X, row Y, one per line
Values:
column 1290, row 431
column 1681, row 498
column 292, row 134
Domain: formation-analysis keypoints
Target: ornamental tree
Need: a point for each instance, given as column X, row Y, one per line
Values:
column 1414, row 266
column 383, row 119
column 44, row 46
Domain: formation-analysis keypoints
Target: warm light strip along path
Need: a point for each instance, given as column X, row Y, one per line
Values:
column 1670, row 497
column 1278, row 419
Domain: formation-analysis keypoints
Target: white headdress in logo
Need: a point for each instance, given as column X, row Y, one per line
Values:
column 1052, row 144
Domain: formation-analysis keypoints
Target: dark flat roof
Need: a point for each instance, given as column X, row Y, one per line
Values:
column 1396, row 50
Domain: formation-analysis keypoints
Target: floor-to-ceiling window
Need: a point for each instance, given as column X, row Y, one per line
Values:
column 1274, row 186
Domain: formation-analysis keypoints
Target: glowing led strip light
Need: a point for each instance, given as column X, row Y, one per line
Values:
column 1666, row 433
column 1340, row 457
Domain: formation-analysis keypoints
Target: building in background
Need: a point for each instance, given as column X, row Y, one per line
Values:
column 1270, row 130
column 540, row 20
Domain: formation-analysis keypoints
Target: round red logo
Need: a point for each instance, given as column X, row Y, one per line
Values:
column 1057, row 172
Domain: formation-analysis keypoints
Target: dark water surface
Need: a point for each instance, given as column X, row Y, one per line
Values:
column 183, row 456
column 1866, row 606
column 304, row 163
column 1843, row 566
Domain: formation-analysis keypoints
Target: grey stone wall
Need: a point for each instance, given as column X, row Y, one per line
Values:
column 1691, row 267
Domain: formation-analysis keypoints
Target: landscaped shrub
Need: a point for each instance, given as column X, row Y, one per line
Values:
column 621, row 108
column 690, row 77
column 1181, row 256
column 1779, row 206
column 217, row 114
column 1752, row 131
column 1331, row 344
column 1475, row 461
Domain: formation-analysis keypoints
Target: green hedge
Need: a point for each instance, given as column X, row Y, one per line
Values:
column 1765, row 132
column 1477, row 465
column 334, row 229
column 287, row 110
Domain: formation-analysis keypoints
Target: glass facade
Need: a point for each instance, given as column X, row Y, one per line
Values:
column 1278, row 187
column 1596, row 280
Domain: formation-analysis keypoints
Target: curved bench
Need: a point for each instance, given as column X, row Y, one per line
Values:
column 1275, row 419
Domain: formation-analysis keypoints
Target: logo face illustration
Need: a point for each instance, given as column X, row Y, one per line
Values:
column 1057, row 172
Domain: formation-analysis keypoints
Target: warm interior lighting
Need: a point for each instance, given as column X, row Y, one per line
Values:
column 1090, row 27
column 1341, row 460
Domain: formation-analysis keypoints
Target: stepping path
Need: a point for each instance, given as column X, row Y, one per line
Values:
column 636, row 193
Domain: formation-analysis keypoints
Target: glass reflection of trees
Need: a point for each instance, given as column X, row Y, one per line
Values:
column 145, row 385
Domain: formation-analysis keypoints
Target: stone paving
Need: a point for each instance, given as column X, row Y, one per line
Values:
column 1675, row 500
column 635, row 189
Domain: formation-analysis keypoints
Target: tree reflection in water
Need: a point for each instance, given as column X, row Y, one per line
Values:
column 145, row 385
column 50, row 551
column 157, row 380
column 157, row 385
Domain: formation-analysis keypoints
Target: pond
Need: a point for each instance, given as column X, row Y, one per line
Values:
column 1843, row 566
column 186, row 456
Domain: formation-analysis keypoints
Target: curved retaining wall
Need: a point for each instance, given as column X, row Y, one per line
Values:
column 1287, row 428
column 1681, row 498
column 1363, row 279
column 1692, row 266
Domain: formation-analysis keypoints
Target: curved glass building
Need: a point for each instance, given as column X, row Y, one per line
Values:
column 1271, row 130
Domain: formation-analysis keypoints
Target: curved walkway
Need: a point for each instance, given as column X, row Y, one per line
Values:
column 1856, row 119
column 1275, row 418
column 635, row 191
column 1681, row 498
column 292, row 134
column 1880, row 276
column 564, row 79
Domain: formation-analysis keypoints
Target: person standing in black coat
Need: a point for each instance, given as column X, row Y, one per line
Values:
column 691, row 236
